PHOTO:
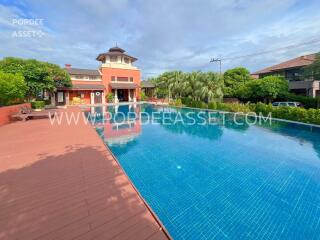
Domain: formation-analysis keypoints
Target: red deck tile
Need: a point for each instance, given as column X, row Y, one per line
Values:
column 61, row 182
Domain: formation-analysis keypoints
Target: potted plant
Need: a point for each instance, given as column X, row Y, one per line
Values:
column 38, row 105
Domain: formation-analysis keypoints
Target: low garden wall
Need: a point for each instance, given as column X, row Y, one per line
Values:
column 7, row 111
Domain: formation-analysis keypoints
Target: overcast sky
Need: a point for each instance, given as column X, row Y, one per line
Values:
column 162, row 34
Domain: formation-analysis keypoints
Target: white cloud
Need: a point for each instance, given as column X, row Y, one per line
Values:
column 165, row 34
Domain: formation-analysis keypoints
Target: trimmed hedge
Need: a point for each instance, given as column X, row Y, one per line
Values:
column 289, row 113
column 308, row 102
column 38, row 104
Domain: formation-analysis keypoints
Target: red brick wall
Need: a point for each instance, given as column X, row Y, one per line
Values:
column 107, row 73
column 6, row 112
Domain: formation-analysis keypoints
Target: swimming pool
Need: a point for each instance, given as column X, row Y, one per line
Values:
column 221, row 181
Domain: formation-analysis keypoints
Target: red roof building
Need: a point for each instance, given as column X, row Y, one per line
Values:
column 117, row 76
column 293, row 71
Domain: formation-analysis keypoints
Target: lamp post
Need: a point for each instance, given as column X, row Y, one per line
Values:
column 217, row 60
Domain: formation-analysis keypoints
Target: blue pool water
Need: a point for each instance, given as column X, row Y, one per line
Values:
column 221, row 181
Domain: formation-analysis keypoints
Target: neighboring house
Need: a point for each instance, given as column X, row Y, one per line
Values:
column 116, row 75
column 293, row 71
column 148, row 88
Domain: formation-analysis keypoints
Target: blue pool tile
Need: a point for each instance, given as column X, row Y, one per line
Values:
column 225, row 182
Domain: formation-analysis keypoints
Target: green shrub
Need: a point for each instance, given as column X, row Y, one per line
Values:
column 37, row 104
column 261, row 107
column 186, row 101
column 143, row 96
column 308, row 102
column 288, row 113
column 178, row 102
column 12, row 88
column 212, row 105
column 110, row 97
column 198, row 104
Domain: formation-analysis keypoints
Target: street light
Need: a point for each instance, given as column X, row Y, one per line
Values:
column 217, row 60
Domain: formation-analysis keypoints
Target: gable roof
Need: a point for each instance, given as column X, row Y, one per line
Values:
column 80, row 71
column 147, row 84
column 296, row 62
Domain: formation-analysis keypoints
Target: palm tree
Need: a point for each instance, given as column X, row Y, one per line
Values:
column 193, row 85
column 196, row 85
column 212, row 87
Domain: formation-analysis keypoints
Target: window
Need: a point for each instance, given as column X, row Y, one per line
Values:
column 94, row 77
column 126, row 60
column 294, row 74
column 113, row 58
column 113, row 79
column 131, row 79
column 122, row 79
column 78, row 77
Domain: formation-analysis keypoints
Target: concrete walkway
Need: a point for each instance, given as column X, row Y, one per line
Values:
column 61, row 182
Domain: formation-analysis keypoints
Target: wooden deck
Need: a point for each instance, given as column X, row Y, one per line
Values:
column 61, row 182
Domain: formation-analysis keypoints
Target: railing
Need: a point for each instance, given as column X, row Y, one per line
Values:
column 121, row 79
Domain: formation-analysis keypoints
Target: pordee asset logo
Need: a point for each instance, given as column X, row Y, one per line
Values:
column 28, row 27
column 163, row 118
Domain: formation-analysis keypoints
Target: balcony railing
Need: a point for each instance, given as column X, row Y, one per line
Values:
column 121, row 79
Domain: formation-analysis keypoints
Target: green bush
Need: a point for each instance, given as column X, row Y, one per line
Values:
column 212, row 105
column 308, row 102
column 12, row 88
column 198, row 104
column 143, row 96
column 38, row 104
column 110, row 97
column 186, row 101
column 176, row 102
column 289, row 113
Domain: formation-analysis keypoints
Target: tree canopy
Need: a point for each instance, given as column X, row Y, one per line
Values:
column 313, row 70
column 39, row 76
column 12, row 88
column 266, row 89
column 233, row 79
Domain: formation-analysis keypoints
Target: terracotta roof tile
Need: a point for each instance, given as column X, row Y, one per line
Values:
column 296, row 62
column 80, row 71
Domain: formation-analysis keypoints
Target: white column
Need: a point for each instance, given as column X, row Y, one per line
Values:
column 116, row 100
column 67, row 98
column 134, row 95
column 129, row 95
column 103, row 98
column 92, row 98
column 53, row 99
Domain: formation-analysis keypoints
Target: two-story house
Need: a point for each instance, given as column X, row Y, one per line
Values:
column 116, row 75
column 293, row 71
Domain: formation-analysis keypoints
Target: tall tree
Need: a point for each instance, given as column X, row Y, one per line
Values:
column 39, row 76
column 12, row 88
column 195, row 85
column 233, row 79
column 212, row 87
